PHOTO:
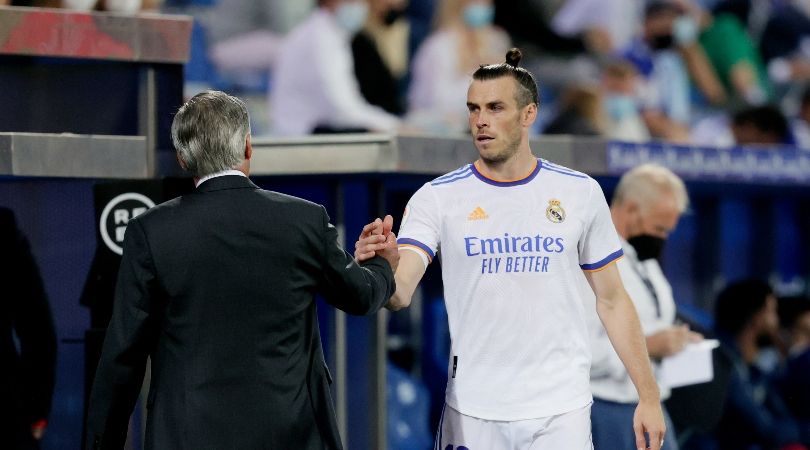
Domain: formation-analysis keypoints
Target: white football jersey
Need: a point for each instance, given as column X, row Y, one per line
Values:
column 512, row 253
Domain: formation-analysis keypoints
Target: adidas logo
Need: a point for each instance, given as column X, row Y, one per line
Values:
column 478, row 214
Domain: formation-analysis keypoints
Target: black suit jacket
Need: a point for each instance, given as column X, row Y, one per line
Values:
column 27, row 375
column 218, row 287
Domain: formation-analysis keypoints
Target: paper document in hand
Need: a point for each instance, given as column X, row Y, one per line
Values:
column 692, row 365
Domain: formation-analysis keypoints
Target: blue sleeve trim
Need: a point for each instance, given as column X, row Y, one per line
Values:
column 416, row 243
column 607, row 260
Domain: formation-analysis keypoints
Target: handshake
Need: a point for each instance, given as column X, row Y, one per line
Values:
column 378, row 239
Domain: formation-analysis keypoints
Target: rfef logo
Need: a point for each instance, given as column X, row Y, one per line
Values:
column 117, row 213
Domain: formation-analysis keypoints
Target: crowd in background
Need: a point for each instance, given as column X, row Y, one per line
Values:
column 703, row 72
column 718, row 73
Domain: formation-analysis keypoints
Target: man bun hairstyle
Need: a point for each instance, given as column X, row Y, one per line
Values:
column 527, row 87
column 513, row 57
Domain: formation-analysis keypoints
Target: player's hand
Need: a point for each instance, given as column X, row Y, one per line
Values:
column 649, row 420
column 391, row 251
column 375, row 237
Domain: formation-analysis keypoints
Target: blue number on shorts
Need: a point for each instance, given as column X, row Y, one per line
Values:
column 461, row 447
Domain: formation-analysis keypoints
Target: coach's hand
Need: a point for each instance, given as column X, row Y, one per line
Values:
column 649, row 420
column 377, row 239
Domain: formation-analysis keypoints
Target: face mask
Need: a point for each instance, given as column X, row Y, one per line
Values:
column 478, row 15
column 662, row 42
column 684, row 30
column 620, row 106
column 351, row 16
column 647, row 246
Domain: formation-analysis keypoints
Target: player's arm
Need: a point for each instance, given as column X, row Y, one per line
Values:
column 618, row 315
column 410, row 271
column 373, row 240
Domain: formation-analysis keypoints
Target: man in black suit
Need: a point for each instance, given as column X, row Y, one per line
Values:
column 218, row 287
column 28, row 366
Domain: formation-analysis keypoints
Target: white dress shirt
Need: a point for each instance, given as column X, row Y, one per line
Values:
column 314, row 82
column 609, row 379
column 219, row 174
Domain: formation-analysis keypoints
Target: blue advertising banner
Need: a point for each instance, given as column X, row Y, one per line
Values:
column 772, row 165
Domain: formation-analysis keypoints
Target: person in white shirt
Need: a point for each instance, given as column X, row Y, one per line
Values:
column 615, row 21
column 646, row 207
column 464, row 40
column 313, row 87
column 515, row 233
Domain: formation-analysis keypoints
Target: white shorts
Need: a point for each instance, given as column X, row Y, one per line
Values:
column 570, row 431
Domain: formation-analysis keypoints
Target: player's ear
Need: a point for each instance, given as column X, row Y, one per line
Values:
column 529, row 114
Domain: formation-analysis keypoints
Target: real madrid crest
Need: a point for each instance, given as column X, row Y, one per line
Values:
column 555, row 211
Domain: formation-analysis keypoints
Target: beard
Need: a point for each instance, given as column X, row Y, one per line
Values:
column 510, row 149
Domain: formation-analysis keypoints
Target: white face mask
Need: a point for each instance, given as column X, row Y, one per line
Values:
column 351, row 15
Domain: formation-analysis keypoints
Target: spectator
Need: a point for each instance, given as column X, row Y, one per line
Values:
column 315, row 89
column 620, row 85
column 762, row 125
column 605, row 25
column 665, row 87
column 779, row 28
column 800, row 125
column 528, row 22
column 757, row 125
column 581, row 113
column 380, row 53
column 556, row 54
column 735, row 59
column 755, row 415
column 646, row 207
column 794, row 317
column 784, row 41
column 463, row 40
column 246, row 35
column 29, row 366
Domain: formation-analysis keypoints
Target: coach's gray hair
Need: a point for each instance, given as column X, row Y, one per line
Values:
column 646, row 183
column 209, row 133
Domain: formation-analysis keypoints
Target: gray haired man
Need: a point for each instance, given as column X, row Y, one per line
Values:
column 218, row 288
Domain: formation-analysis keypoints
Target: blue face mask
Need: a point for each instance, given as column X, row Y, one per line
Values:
column 351, row 16
column 620, row 106
column 478, row 15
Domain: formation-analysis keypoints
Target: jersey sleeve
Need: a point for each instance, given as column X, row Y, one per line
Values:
column 599, row 244
column 421, row 225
